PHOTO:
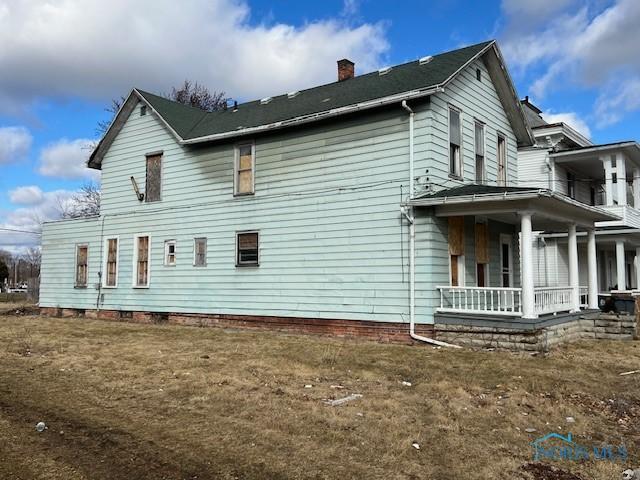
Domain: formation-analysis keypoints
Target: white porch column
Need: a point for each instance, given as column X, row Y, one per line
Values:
column 573, row 266
column 636, row 190
column 621, row 179
column 608, row 180
column 620, row 267
column 637, row 262
column 526, row 267
column 592, row 268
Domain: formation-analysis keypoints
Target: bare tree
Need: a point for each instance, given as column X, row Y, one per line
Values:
column 85, row 203
column 104, row 125
column 199, row 96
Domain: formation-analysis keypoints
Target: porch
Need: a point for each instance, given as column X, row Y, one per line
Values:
column 525, row 210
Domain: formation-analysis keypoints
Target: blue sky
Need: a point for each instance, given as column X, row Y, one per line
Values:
column 62, row 62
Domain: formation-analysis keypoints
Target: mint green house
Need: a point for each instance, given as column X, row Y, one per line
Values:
column 368, row 205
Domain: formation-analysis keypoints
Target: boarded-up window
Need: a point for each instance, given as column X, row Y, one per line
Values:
column 111, row 279
column 455, row 270
column 455, row 142
column 502, row 160
column 456, row 235
column 482, row 243
column 82, row 253
column 142, row 262
column 170, row 253
column 245, row 162
column 199, row 252
column 247, row 247
column 154, row 178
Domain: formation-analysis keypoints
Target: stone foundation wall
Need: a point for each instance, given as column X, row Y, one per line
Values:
column 394, row 332
column 598, row 326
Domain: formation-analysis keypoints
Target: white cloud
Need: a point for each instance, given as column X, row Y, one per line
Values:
column 28, row 195
column 101, row 49
column 617, row 100
column 67, row 159
column 14, row 143
column 570, row 118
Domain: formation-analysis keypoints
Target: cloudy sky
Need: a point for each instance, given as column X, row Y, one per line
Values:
column 62, row 61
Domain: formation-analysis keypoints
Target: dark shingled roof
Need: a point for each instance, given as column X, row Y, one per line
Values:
column 475, row 189
column 190, row 123
column 532, row 114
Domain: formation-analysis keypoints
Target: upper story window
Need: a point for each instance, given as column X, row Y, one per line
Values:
column 502, row 160
column 571, row 185
column 455, row 143
column 200, row 252
column 82, row 255
column 153, row 178
column 111, row 263
column 170, row 253
column 244, row 169
column 479, row 148
column 142, row 246
column 247, row 249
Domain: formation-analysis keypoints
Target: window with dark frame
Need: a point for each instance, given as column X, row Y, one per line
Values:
column 153, row 189
column 170, row 253
column 111, row 279
column 502, row 160
column 82, row 253
column 247, row 249
column 455, row 142
column 200, row 252
column 478, row 74
column 244, row 174
column 142, row 262
column 479, row 148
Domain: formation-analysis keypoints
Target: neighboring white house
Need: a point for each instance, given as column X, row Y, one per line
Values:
column 606, row 176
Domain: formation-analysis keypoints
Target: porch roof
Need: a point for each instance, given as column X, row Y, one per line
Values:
column 549, row 209
column 587, row 159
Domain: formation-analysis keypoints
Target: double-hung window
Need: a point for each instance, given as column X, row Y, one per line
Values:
column 170, row 253
column 142, row 246
column 455, row 143
column 502, row 160
column 110, row 276
column 200, row 252
column 82, row 254
column 244, row 169
column 571, row 185
column 479, row 147
column 247, row 249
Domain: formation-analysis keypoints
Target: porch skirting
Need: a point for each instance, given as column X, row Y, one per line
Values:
column 389, row 332
column 538, row 336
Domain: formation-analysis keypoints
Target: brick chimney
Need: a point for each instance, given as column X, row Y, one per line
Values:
column 346, row 69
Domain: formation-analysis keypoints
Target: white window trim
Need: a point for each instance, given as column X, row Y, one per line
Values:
column 166, row 252
column 206, row 251
column 75, row 279
column 158, row 153
column 506, row 238
column 461, row 271
column 484, row 149
column 500, row 135
column 247, row 265
column 460, row 175
column 134, row 276
column 104, row 261
column 236, row 166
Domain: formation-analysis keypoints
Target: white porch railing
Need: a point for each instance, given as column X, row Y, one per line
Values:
column 506, row 301
column 481, row 300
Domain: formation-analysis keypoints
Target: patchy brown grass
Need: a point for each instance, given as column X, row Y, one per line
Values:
column 153, row 402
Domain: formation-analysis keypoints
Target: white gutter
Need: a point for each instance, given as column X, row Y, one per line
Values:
column 412, row 244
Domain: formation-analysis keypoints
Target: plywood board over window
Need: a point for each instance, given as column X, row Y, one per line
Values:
column 456, row 235
column 154, row 178
column 482, row 243
column 82, row 253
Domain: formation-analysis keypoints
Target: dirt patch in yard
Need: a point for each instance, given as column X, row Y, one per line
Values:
column 166, row 402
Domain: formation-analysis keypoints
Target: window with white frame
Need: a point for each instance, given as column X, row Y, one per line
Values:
column 502, row 160
column 479, row 148
column 247, row 249
column 82, row 257
column 170, row 253
column 244, row 177
column 111, row 263
column 142, row 246
column 200, row 252
column 455, row 143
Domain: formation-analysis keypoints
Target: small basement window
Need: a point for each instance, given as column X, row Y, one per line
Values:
column 82, row 254
column 153, row 178
column 200, row 252
column 247, row 249
column 142, row 246
column 170, row 253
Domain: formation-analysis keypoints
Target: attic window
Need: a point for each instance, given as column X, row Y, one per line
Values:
column 425, row 60
column 265, row 100
column 143, row 110
column 479, row 74
column 384, row 71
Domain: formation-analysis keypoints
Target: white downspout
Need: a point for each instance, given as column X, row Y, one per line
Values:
column 412, row 245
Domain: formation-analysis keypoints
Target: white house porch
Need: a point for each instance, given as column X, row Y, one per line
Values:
column 526, row 210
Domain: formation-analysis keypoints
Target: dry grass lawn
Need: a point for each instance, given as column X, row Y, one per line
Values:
column 154, row 402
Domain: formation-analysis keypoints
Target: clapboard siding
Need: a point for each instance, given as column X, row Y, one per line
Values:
column 333, row 242
column 532, row 168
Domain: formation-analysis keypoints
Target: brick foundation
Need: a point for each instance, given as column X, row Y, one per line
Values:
column 393, row 332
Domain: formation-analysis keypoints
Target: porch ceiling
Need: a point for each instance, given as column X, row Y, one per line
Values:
column 550, row 210
column 587, row 159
